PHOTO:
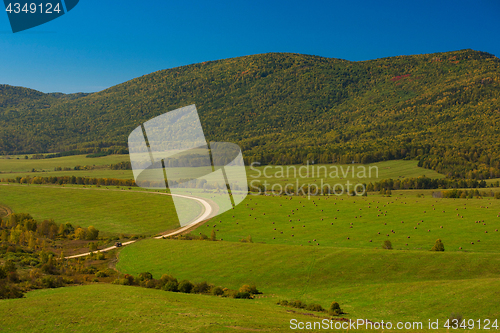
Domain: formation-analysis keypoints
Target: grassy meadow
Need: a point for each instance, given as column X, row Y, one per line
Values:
column 304, row 174
column 116, row 211
column 112, row 308
column 22, row 165
column 368, row 283
column 317, row 249
column 409, row 222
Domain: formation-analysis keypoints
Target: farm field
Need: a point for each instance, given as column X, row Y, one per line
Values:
column 370, row 283
column 304, row 174
column 317, row 249
column 112, row 210
column 26, row 165
column 409, row 222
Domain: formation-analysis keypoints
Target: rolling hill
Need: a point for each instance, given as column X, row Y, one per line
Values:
column 286, row 108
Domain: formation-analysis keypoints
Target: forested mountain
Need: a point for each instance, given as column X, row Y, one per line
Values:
column 282, row 108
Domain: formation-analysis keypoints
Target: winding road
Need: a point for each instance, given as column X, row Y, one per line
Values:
column 207, row 211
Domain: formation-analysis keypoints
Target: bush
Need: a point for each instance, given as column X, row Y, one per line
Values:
column 201, row 288
column 438, row 246
column 297, row 304
column 167, row 278
column 145, row 276
column 249, row 289
column 335, row 309
column 101, row 274
column 51, row 282
column 387, row 245
column 243, row 295
column 171, row 286
column 185, row 286
column 230, row 293
column 151, row 283
column 122, row 281
column 10, row 291
column 315, row 307
column 129, row 278
column 217, row 291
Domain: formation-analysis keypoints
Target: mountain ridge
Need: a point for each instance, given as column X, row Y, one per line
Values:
column 287, row 108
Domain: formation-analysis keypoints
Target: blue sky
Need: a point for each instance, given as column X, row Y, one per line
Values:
column 102, row 43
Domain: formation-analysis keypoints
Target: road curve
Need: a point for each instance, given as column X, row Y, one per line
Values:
column 208, row 209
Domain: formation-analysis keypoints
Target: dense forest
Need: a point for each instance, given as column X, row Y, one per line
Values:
column 442, row 109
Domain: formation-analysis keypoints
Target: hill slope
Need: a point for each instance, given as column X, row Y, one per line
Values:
column 286, row 108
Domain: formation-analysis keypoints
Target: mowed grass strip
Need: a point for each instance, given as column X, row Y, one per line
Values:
column 113, row 308
column 323, row 274
column 410, row 223
column 110, row 211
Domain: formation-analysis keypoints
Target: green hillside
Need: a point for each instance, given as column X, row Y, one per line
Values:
column 287, row 108
column 374, row 283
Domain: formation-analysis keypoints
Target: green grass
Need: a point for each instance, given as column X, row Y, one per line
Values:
column 110, row 211
column 337, row 174
column 112, row 308
column 327, row 221
column 96, row 173
column 283, row 175
column 25, row 165
column 368, row 283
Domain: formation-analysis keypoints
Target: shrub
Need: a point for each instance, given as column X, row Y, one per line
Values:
column 101, row 274
column 145, row 276
column 243, row 295
column 122, row 281
column 315, row 307
column 249, row 289
column 201, row 288
column 129, row 278
column 51, row 282
column 167, row 278
column 438, row 246
column 230, row 293
column 151, row 283
column 10, row 291
column 171, row 286
column 217, row 291
column 185, row 286
column 297, row 304
column 335, row 309
column 387, row 245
